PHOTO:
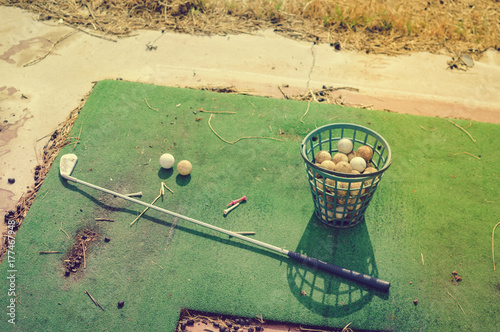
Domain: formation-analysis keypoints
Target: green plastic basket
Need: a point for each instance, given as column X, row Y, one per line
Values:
column 341, row 199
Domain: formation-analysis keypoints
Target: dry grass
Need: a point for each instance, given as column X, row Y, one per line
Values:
column 379, row 26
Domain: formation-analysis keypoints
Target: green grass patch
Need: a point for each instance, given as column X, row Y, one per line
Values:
column 433, row 213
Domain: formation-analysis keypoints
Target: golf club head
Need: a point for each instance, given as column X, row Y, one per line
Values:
column 67, row 164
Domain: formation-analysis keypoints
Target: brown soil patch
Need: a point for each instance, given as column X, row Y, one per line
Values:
column 197, row 321
column 77, row 257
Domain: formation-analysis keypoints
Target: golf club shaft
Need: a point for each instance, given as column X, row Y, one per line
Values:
column 151, row 206
column 379, row 284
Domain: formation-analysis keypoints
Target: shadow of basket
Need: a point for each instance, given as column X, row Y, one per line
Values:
column 341, row 199
column 327, row 294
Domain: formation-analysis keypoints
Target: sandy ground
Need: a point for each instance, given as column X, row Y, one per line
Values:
column 35, row 97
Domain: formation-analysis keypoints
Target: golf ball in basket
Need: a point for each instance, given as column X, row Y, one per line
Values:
column 344, row 145
column 358, row 163
column 184, row 167
column 167, row 161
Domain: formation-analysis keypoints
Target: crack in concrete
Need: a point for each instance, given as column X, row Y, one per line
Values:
column 312, row 66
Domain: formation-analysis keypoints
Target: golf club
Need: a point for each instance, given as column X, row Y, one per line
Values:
column 68, row 162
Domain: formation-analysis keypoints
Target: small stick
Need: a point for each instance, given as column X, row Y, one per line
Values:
column 140, row 215
column 60, row 228
column 346, row 328
column 84, row 260
column 104, row 219
column 239, row 139
column 201, row 109
column 428, row 129
column 78, row 138
column 470, row 154
column 244, row 198
column 465, row 131
column 493, row 245
column 422, row 258
column 167, row 187
column 226, row 211
column 48, row 252
column 51, row 49
column 313, row 330
column 154, row 109
column 283, row 92
column 456, row 301
column 93, row 300
column 157, row 264
column 313, row 95
column 138, row 194
column 307, row 110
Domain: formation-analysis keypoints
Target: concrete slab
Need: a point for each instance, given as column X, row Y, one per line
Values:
column 48, row 68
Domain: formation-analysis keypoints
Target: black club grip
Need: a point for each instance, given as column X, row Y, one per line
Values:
column 379, row 284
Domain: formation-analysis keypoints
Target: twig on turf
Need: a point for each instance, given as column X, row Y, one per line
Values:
column 470, row 154
column 307, row 110
column 493, row 245
column 239, row 139
column 261, row 320
column 60, row 228
column 78, row 138
column 93, row 300
column 104, row 219
column 163, row 183
column 154, row 109
column 49, row 252
column 201, row 109
column 84, row 260
column 428, row 129
column 157, row 264
column 44, row 194
column 421, row 254
column 465, row 131
column 456, row 301
column 140, row 215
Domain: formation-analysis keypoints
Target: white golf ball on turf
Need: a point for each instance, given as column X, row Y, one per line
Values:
column 167, row 161
column 344, row 145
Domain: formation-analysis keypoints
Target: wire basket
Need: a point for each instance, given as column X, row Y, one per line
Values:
column 341, row 199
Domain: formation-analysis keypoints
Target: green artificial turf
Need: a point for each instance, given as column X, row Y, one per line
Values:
column 433, row 213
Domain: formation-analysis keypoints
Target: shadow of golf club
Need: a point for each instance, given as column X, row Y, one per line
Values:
column 327, row 294
column 203, row 232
